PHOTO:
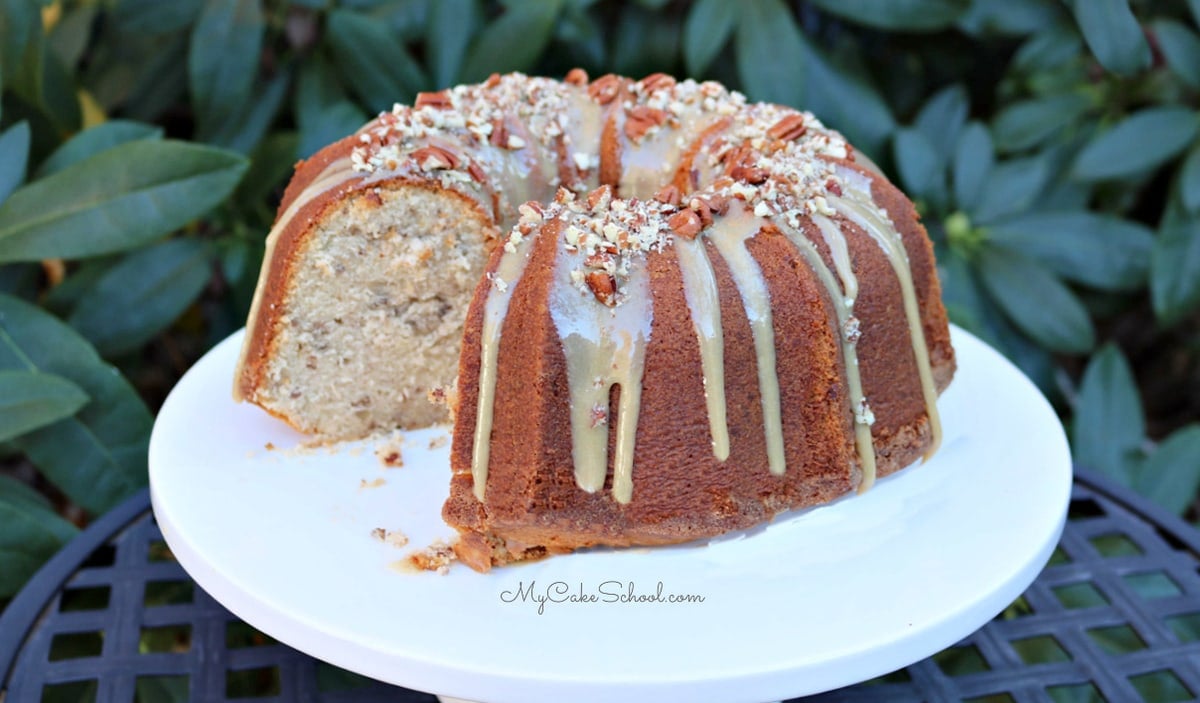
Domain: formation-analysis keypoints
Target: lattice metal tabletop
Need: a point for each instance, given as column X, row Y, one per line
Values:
column 1115, row 616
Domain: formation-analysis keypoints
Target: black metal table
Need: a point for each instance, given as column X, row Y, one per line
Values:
column 1115, row 616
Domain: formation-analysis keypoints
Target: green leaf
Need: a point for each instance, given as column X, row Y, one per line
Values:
column 14, row 145
column 141, row 296
column 986, row 18
column 1171, row 476
column 21, row 48
column 29, row 400
column 136, row 17
column 514, row 41
column 1189, row 181
column 92, row 141
column 1113, row 34
column 644, row 41
column 58, row 95
column 1175, row 270
column 372, row 61
column 69, row 37
column 17, row 492
column 1139, row 143
column 1109, row 428
column 1036, row 302
column 123, row 197
column 847, row 102
column 1012, row 188
column 973, row 161
column 1100, row 251
column 771, row 53
column 98, row 456
column 32, row 534
column 1056, row 45
column 452, row 23
column 246, row 128
column 223, row 60
column 1181, row 48
column 1026, row 124
column 706, row 31
column 917, row 161
column 942, row 118
column 271, row 166
column 323, row 113
column 898, row 15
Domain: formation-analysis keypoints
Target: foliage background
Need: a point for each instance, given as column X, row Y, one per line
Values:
column 1053, row 148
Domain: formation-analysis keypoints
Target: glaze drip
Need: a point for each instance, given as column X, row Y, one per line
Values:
column 860, row 208
column 512, row 265
column 700, row 290
column 842, row 296
column 603, row 347
column 730, row 235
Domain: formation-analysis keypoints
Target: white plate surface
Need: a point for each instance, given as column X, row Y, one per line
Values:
column 816, row 600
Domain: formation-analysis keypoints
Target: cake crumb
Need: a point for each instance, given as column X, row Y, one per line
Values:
column 269, row 446
column 364, row 484
column 388, row 451
column 435, row 557
column 439, row 441
column 396, row 538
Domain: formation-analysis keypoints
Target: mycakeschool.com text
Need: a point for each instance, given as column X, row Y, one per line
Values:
column 544, row 596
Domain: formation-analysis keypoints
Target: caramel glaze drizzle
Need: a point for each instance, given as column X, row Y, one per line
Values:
column 605, row 346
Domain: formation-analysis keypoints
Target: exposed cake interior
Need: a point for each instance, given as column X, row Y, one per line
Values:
column 376, row 300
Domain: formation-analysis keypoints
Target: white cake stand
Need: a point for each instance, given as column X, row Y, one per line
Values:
column 815, row 601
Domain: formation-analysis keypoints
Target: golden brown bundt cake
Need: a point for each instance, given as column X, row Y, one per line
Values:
column 718, row 313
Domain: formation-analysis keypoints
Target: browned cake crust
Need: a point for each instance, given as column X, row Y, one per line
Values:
column 682, row 492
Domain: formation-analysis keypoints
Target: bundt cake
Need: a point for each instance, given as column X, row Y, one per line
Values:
column 671, row 313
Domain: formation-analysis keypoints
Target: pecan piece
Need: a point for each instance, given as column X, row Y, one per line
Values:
column 604, row 89
column 833, row 187
column 499, row 135
column 702, row 209
column 476, row 172
column 668, row 195
column 788, row 128
column 439, row 100
column 435, row 158
column 603, row 286
column 641, row 119
column 685, row 223
column 576, row 76
column 599, row 197
column 656, row 81
column 492, row 81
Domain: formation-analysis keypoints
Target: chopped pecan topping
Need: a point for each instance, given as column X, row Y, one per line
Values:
column 604, row 89
column 576, row 76
column 476, row 172
column 641, row 119
column 603, row 286
column 439, row 100
column 600, row 196
column 788, row 128
column 702, row 209
column 686, row 224
column 657, row 81
column 598, row 260
column 741, row 164
column 435, row 158
column 492, row 81
column 499, row 135
column 833, row 187
column 668, row 195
